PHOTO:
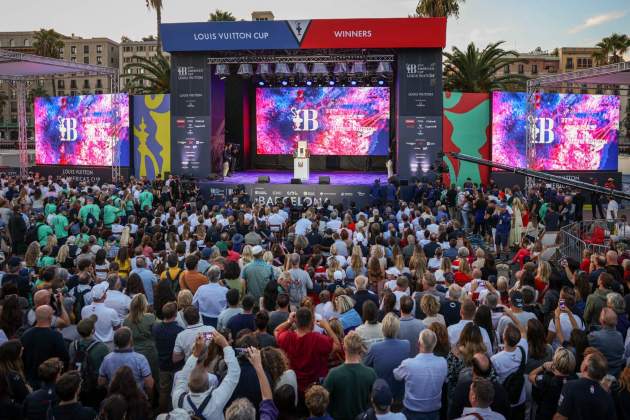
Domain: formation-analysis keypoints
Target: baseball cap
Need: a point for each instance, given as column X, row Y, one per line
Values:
column 206, row 253
column 257, row 250
column 516, row 299
column 99, row 290
column 381, row 393
column 86, row 325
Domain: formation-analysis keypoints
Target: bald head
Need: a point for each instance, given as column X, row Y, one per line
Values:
column 608, row 318
column 198, row 380
column 481, row 365
column 611, row 257
column 41, row 297
column 43, row 315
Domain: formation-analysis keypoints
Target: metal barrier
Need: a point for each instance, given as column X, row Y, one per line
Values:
column 594, row 235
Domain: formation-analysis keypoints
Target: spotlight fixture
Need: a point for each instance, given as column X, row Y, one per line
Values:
column 245, row 70
column 353, row 82
column 340, row 68
column 358, row 67
column 381, row 82
column 284, row 83
column 331, row 83
column 261, row 83
column 309, row 83
column 222, row 70
column 263, row 69
column 384, row 68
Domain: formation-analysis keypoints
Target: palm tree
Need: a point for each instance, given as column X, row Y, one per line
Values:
column 478, row 71
column 154, row 72
column 621, row 44
column 611, row 49
column 48, row 43
column 221, row 16
column 601, row 57
column 157, row 5
column 438, row 8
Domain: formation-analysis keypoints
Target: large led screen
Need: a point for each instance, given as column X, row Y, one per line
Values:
column 350, row 121
column 573, row 132
column 82, row 130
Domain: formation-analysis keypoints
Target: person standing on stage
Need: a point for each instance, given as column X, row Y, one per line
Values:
column 233, row 158
column 227, row 158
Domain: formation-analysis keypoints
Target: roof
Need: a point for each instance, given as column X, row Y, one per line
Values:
column 612, row 74
column 19, row 66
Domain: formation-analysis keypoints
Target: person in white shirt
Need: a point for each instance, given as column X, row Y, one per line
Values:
column 107, row 318
column 514, row 353
column 185, row 339
column 334, row 223
column 303, row 226
column 612, row 209
column 467, row 313
column 116, row 299
column 564, row 320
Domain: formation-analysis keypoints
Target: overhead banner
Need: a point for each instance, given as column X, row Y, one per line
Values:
column 296, row 34
column 466, row 129
column 190, row 116
column 151, row 135
column 419, row 84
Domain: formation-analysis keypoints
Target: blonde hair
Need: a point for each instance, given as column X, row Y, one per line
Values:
column 446, row 265
column 464, row 267
column 343, row 303
column 268, row 257
column 390, row 325
column 544, row 271
column 246, row 254
column 137, row 308
column 184, row 299
column 564, row 361
column 429, row 305
column 32, row 254
column 353, row 344
column 124, row 236
column 62, row 254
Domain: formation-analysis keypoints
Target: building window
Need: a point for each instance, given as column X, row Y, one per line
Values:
column 570, row 63
column 99, row 84
column 13, row 106
column 61, row 93
column 534, row 68
column 86, row 60
column 589, row 62
column 61, row 52
column 73, row 93
column 140, row 48
column 506, row 69
column 61, row 84
column 27, row 42
column 73, row 84
column 73, row 49
column 86, row 84
column 99, row 59
column 12, row 43
column 86, row 49
column 99, row 49
column 73, row 59
column 521, row 69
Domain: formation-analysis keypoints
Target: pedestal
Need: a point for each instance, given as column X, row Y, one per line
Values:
column 301, row 169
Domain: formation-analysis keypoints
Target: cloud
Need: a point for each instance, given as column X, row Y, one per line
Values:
column 597, row 20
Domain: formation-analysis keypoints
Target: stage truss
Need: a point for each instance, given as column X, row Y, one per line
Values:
column 617, row 74
column 21, row 70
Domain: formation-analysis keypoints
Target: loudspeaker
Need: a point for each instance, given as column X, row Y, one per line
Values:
column 264, row 179
column 296, row 181
column 324, row 180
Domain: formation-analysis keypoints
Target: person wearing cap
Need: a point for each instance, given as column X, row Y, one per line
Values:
column 381, row 398
column 257, row 274
column 108, row 319
column 516, row 303
column 88, row 350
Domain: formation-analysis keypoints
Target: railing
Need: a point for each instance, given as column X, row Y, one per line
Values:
column 594, row 235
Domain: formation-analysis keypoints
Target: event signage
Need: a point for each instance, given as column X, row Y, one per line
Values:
column 190, row 120
column 296, row 34
column 420, row 111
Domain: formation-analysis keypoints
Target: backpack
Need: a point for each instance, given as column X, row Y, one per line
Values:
column 32, row 234
column 79, row 302
column 81, row 362
column 197, row 412
column 515, row 381
column 90, row 220
column 174, row 283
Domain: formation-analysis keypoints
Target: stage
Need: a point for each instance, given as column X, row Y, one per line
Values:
column 284, row 177
column 347, row 188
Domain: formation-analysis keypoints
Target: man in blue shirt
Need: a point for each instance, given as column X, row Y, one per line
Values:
column 504, row 224
column 424, row 376
column 149, row 280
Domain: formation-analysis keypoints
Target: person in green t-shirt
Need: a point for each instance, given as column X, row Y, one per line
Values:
column 50, row 207
column 110, row 213
column 43, row 231
column 89, row 208
column 350, row 384
column 60, row 224
column 146, row 199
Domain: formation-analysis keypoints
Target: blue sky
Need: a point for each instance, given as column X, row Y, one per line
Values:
column 523, row 24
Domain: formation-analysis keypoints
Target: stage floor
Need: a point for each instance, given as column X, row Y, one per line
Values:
column 284, row 177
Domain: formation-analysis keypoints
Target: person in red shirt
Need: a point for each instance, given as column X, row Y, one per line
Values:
column 306, row 350
column 585, row 265
column 231, row 254
column 522, row 252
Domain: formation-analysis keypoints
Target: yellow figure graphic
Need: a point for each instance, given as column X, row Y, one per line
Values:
column 162, row 137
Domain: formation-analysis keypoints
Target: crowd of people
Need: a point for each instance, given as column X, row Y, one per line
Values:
column 144, row 299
